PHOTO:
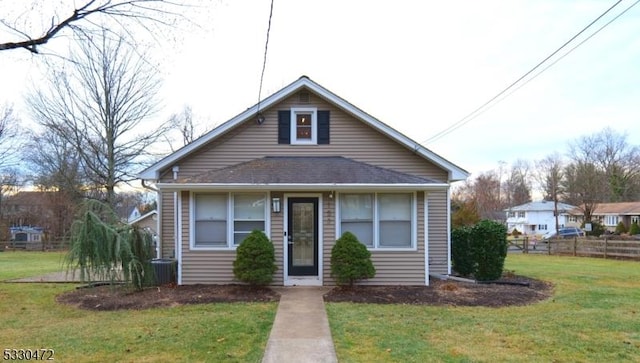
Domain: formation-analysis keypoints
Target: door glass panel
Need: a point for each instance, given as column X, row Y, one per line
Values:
column 303, row 234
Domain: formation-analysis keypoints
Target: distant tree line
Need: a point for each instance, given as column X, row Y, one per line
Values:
column 599, row 168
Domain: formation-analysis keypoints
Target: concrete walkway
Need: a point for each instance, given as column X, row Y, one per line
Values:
column 300, row 331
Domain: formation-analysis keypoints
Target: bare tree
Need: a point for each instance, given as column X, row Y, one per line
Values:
column 518, row 185
column 185, row 123
column 549, row 176
column 99, row 103
column 10, row 136
column 584, row 186
column 81, row 20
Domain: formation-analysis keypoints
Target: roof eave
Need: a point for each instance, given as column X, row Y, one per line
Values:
column 299, row 187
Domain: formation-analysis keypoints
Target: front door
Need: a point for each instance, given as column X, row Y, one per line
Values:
column 303, row 236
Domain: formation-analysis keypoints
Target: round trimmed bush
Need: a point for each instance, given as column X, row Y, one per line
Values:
column 350, row 260
column 255, row 260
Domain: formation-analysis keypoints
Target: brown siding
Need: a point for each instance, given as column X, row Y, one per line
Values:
column 438, row 233
column 392, row 267
column 166, row 233
column 216, row 267
column 350, row 138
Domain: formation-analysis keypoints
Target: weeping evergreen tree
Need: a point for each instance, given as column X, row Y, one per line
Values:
column 103, row 248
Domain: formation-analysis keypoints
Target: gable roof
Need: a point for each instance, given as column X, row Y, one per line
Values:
column 454, row 171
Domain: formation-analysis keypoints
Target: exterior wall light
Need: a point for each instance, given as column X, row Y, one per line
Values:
column 275, row 205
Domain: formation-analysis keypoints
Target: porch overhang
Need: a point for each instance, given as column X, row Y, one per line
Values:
column 301, row 187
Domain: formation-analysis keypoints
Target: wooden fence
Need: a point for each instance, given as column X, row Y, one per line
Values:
column 55, row 245
column 596, row 247
column 581, row 246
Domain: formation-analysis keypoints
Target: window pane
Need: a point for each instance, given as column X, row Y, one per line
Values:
column 356, row 207
column 248, row 206
column 211, row 220
column 211, row 206
column 362, row 230
column 211, row 234
column 303, row 126
column 244, row 228
column 394, row 220
column 394, row 207
column 395, row 234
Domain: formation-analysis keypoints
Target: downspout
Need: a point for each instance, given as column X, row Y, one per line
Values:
column 177, row 252
column 449, row 229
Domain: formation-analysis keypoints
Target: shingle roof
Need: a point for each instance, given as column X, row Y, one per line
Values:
column 540, row 206
column 624, row 208
column 305, row 170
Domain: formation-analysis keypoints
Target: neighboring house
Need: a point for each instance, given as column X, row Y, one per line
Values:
column 135, row 214
column 536, row 218
column 53, row 211
column 148, row 221
column 610, row 214
column 26, row 234
column 304, row 166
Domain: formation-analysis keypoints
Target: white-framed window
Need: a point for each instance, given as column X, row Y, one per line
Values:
column 542, row 227
column 521, row 214
column 511, row 214
column 611, row 220
column 573, row 218
column 380, row 220
column 304, row 126
column 635, row 219
column 224, row 220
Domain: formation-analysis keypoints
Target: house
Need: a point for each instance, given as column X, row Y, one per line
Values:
column 304, row 166
column 148, row 221
column 535, row 218
column 610, row 214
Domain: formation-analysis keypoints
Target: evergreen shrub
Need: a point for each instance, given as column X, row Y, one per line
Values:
column 255, row 260
column 350, row 260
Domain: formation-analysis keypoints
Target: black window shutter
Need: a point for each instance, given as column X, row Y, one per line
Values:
column 284, row 127
column 323, row 127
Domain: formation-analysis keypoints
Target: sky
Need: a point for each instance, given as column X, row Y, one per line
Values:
column 418, row 66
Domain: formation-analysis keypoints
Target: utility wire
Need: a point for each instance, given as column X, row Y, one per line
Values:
column 478, row 111
column 564, row 55
column 264, row 61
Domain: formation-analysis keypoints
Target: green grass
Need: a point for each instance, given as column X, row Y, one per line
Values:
column 17, row 264
column 594, row 316
column 32, row 319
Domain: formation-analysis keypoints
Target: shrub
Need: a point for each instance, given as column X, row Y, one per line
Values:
column 255, row 260
column 634, row 229
column 597, row 229
column 462, row 258
column 621, row 228
column 350, row 260
column 489, row 245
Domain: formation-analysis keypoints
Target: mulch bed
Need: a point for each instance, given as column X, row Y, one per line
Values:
column 440, row 292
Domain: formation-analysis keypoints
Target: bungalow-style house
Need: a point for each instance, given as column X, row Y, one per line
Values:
column 610, row 214
column 537, row 218
column 304, row 166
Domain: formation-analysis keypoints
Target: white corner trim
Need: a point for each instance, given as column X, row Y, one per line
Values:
column 426, row 239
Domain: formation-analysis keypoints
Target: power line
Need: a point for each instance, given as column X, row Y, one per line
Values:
column 264, row 61
column 478, row 111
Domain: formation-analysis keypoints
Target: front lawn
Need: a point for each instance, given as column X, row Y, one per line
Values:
column 594, row 316
column 32, row 319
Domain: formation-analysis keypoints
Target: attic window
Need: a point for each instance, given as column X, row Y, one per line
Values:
column 304, row 97
column 304, row 126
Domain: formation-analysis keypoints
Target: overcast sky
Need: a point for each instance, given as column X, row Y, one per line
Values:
column 419, row 66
